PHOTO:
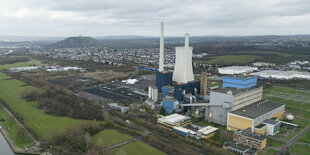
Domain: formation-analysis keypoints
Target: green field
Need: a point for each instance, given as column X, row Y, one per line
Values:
column 22, row 64
column 305, row 138
column 230, row 59
column 300, row 149
column 109, row 137
column 299, row 110
column 42, row 124
column 137, row 148
column 12, row 128
column 267, row 52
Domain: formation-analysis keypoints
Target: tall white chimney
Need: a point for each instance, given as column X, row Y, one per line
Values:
column 161, row 52
column 186, row 40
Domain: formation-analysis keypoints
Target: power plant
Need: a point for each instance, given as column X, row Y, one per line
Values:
column 238, row 104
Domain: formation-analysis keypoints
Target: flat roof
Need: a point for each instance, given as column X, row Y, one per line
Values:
column 257, row 109
column 243, row 78
column 184, row 129
column 260, row 126
column 207, row 130
column 248, row 132
column 234, row 91
column 271, row 121
column 238, row 68
column 174, row 118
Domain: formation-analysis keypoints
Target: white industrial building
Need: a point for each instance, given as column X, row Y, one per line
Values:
column 153, row 93
column 286, row 75
column 24, row 69
column 173, row 120
column 236, row 69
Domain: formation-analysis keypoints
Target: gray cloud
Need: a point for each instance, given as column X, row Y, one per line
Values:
column 142, row 17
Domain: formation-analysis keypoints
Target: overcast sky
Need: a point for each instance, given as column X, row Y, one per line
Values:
column 142, row 17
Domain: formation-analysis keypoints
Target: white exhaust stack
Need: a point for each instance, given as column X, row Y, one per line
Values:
column 161, row 52
column 186, row 40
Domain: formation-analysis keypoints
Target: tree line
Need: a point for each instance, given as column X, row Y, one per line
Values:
column 56, row 101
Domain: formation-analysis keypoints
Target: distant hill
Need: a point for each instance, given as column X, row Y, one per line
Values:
column 73, row 42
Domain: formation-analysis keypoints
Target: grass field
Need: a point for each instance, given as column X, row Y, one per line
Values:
column 12, row 128
column 137, row 148
column 42, row 124
column 267, row 52
column 291, row 105
column 109, row 137
column 305, row 138
column 229, row 59
column 21, row 64
column 299, row 110
column 300, row 149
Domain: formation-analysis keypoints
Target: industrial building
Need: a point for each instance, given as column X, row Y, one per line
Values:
column 247, row 138
column 173, row 120
column 115, row 106
column 237, row 70
column 24, row 69
column 224, row 100
column 204, row 132
column 251, row 116
column 153, row 93
column 263, row 64
column 284, row 75
column 181, row 124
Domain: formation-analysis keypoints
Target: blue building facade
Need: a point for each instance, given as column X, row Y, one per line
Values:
column 169, row 105
column 239, row 82
column 163, row 79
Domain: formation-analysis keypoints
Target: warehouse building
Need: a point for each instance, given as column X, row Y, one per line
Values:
column 284, row 75
column 25, row 69
column 227, row 99
column 173, row 120
column 204, row 132
column 183, row 131
column 207, row 132
column 237, row 70
column 251, row 116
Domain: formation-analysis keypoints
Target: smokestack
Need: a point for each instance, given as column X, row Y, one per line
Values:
column 161, row 52
column 186, row 40
column 203, row 84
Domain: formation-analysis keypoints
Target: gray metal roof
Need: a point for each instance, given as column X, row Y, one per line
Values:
column 234, row 91
column 257, row 109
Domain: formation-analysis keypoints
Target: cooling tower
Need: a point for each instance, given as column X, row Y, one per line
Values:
column 183, row 69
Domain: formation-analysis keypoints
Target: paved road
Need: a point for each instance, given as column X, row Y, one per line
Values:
column 294, row 139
